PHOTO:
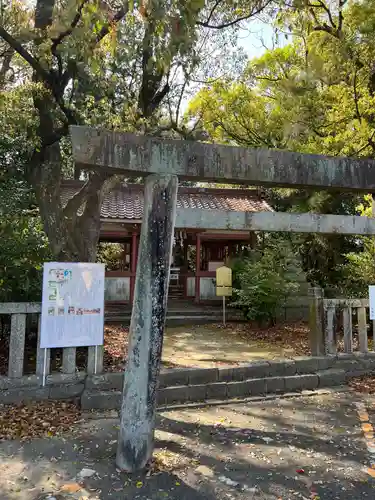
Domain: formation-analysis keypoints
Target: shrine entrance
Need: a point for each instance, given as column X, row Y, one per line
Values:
column 163, row 163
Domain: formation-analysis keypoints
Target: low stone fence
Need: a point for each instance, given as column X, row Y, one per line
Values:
column 103, row 390
column 339, row 325
column 17, row 386
column 333, row 308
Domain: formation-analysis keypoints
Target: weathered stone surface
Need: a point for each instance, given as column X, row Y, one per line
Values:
column 101, row 400
column 300, row 382
column 282, row 368
column 274, row 221
column 256, row 370
column 365, row 360
column 203, row 376
column 20, row 307
column 225, row 374
column 65, row 378
column 217, row 390
column 306, row 364
column 136, row 437
column 325, row 362
column 169, row 395
column 25, row 381
column 11, row 396
column 316, row 321
column 256, row 386
column 175, row 376
column 348, row 365
column 238, row 373
column 237, row 389
column 331, row 378
column 66, row 391
column 139, row 154
column 275, row 384
column 16, row 345
column 69, row 360
column 197, row 393
column 105, row 381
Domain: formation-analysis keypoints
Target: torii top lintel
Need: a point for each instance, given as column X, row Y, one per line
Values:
column 139, row 155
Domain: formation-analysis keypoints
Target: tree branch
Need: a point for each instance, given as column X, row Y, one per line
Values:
column 34, row 63
column 115, row 19
column 56, row 41
column 356, row 97
column 206, row 24
column 6, row 57
column 77, row 201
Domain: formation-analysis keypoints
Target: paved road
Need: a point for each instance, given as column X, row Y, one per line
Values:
column 299, row 448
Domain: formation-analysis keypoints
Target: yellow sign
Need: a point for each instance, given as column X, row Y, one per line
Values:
column 224, row 276
column 223, row 281
column 224, row 291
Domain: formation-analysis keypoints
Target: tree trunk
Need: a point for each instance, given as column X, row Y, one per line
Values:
column 73, row 231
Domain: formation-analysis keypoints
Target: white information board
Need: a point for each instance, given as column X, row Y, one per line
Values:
column 72, row 305
column 371, row 295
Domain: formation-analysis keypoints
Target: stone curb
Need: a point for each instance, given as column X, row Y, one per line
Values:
column 186, row 394
column 188, row 385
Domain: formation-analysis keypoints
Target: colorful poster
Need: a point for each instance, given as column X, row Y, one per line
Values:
column 72, row 305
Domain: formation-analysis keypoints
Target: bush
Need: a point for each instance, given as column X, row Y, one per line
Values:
column 23, row 249
column 23, row 244
column 358, row 272
column 263, row 282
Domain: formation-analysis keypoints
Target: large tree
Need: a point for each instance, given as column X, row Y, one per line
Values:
column 315, row 94
column 107, row 63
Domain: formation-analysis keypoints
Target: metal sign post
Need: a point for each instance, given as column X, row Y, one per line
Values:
column 224, row 323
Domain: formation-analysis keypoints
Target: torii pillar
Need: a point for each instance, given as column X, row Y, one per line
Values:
column 136, row 437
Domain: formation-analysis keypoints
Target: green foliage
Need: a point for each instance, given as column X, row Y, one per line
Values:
column 23, row 244
column 23, row 249
column 110, row 254
column 314, row 95
column 264, row 280
column 358, row 272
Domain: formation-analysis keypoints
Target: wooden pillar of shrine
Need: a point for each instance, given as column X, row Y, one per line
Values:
column 197, row 269
column 133, row 265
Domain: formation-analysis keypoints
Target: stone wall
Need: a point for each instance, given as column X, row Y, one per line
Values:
column 195, row 385
column 257, row 379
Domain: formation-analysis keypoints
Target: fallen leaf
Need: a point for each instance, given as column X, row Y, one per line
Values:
column 70, row 488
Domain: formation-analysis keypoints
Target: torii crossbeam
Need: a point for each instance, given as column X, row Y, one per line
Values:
column 142, row 155
column 168, row 161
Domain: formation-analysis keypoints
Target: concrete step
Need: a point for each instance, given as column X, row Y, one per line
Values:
column 182, row 313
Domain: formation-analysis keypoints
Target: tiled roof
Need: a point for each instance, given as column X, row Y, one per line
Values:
column 127, row 203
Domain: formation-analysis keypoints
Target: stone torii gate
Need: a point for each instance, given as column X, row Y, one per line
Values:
column 163, row 162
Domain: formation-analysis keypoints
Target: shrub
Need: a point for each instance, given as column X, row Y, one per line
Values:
column 263, row 281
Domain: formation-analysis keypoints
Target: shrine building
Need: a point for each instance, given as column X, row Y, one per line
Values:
column 196, row 253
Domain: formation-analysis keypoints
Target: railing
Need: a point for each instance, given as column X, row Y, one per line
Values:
column 333, row 308
column 330, row 318
column 18, row 314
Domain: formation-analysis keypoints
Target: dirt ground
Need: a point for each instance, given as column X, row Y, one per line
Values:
column 304, row 447
column 213, row 345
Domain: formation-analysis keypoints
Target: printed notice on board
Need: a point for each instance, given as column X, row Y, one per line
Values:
column 72, row 305
column 371, row 295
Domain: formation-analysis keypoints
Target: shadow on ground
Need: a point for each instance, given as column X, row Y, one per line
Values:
column 306, row 447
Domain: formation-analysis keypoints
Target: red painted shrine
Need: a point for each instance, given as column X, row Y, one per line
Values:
column 196, row 253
